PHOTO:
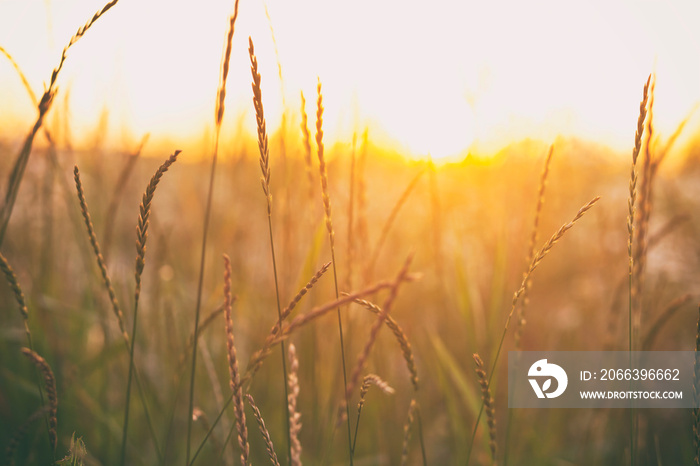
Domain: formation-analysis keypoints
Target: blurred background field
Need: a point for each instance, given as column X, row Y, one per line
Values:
column 467, row 218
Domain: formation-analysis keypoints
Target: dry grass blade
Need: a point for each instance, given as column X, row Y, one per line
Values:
column 233, row 366
column 263, row 430
column 293, row 303
column 533, row 244
column 98, row 254
column 407, row 431
column 294, row 415
column 307, row 146
column 44, row 105
column 50, row 384
column 488, row 403
column 401, row 338
column 22, row 76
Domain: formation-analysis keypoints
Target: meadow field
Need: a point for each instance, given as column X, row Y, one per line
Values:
column 149, row 292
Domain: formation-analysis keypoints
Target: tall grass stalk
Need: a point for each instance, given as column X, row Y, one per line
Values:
column 141, row 237
column 264, row 148
column 537, row 259
column 630, row 241
column 116, row 308
column 331, row 237
column 520, row 319
column 219, row 116
column 43, row 107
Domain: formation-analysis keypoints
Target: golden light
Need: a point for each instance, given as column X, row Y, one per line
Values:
column 442, row 79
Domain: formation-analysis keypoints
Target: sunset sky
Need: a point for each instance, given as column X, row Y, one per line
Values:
column 436, row 78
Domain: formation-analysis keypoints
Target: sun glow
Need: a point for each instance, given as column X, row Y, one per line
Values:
column 443, row 80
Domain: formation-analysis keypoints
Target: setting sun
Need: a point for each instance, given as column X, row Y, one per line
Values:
column 443, row 80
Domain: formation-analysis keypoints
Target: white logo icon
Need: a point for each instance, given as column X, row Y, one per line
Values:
column 542, row 368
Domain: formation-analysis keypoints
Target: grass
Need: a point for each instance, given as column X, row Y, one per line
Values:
column 430, row 258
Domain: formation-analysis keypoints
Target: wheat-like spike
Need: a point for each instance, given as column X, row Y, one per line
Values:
column 351, row 215
column 16, row 289
column 262, row 128
column 307, row 146
column 374, row 332
column 390, row 221
column 545, row 250
column 293, row 303
column 263, row 430
column 488, row 403
column 633, row 172
column 257, row 358
column 531, row 248
column 322, row 166
column 644, row 202
column 141, row 237
column 98, row 254
column 401, row 338
column 294, row 415
column 362, row 235
column 221, row 94
column 407, row 431
column 50, row 383
column 233, row 366
column 143, row 220
column 369, row 380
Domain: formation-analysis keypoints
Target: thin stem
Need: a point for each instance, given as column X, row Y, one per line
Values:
column 207, row 214
column 284, row 359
